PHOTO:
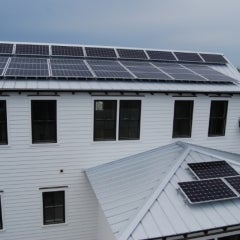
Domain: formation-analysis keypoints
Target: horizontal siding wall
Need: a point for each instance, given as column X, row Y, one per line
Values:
column 24, row 168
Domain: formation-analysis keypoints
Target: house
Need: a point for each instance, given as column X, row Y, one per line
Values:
column 106, row 143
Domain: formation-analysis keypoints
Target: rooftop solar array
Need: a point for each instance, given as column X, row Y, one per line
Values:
column 206, row 191
column 234, row 182
column 68, row 61
column 214, row 169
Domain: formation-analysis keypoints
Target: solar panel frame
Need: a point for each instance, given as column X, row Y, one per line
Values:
column 205, row 191
column 188, row 57
column 131, row 53
column 100, row 52
column 212, row 169
column 32, row 49
column 69, row 51
column 213, row 58
column 161, row 55
column 3, row 63
column 6, row 48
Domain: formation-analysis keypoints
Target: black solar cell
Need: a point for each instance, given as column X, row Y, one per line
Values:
column 100, row 52
column 188, row 57
column 131, row 54
column 206, row 191
column 161, row 55
column 30, row 49
column 213, row 58
column 6, row 48
column 67, row 51
column 214, row 169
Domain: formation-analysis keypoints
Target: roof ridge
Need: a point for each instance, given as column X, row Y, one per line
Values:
column 125, row 233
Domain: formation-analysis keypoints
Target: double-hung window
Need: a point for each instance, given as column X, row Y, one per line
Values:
column 182, row 122
column 108, row 114
column 218, row 117
column 44, row 121
column 53, row 207
column 3, row 123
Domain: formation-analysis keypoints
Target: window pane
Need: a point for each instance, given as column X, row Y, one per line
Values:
column 1, row 221
column 53, row 207
column 217, row 119
column 129, row 119
column 182, row 123
column 105, row 120
column 44, row 121
column 3, row 123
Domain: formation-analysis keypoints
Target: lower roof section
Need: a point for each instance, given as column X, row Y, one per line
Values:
column 140, row 195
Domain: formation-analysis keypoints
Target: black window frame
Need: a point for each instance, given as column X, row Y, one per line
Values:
column 105, row 121
column 3, row 123
column 178, row 119
column 1, row 213
column 129, row 121
column 53, row 221
column 212, row 127
column 35, row 122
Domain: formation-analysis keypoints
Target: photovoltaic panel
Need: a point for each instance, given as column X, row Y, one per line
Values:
column 188, row 57
column 209, row 73
column 213, row 58
column 206, row 191
column 100, row 52
column 161, row 55
column 132, row 54
column 145, row 70
column 67, row 51
column 69, row 68
column 214, row 169
column 27, row 67
column 6, row 48
column 30, row 49
column 3, row 62
column 109, row 69
column 234, row 182
column 179, row 73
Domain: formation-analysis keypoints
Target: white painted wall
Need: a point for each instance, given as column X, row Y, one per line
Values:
column 24, row 168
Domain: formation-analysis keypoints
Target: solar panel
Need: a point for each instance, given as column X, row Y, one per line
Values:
column 145, row 70
column 100, row 52
column 3, row 62
column 30, row 49
column 161, row 55
column 67, row 51
column 209, row 73
column 206, row 191
column 69, row 68
column 6, row 48
column 27, row 67
column 188, row 57
column 131, row 54
column 179, row 73
column 109, row 69
column 214, row 169
column 213, row 58
column 234, row 182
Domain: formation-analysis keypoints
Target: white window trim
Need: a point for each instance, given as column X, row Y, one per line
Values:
column 118, row 99
column 54, row 189
column 31, row 98
column 3, row 212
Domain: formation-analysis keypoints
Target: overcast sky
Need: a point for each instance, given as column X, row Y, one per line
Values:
column 199, row 25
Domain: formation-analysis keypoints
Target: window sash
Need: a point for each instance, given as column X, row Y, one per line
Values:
column 105, row 121
column 54, row 213
column 217, row 123
column 3, row 123
column 129, row 120
column 182, row 123
column 44, row 123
